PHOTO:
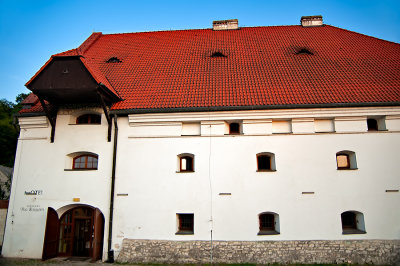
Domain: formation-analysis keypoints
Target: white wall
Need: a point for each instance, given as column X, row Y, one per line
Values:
column 149, row 191
column 40, row 165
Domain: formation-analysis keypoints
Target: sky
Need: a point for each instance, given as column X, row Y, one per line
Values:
column 32, row 31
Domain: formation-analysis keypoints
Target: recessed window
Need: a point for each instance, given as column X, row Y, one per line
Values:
column 186, row 162
column 85, row 161
column 114, row 60
column 89, row 119
column 265, row 162
column 234, row 128
column 352, row 222
column 346, row 160
column 372, row 124
column 268, row 223
column 185, row 223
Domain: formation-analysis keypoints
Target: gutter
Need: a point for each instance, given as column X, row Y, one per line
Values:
column 110, row 258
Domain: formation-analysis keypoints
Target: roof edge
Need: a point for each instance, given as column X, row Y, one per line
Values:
column 248, row 108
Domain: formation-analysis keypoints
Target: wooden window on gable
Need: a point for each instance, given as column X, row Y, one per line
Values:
column 85, row 162
column 185, row 224
column 89, row 119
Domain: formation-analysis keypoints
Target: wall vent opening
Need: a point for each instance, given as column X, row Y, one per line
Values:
column 114, row 60
column 217, row 54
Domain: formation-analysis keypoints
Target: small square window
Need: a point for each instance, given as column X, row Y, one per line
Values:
column 234, row 128
column 185, row 223
column 268, row 224
column 264, row 162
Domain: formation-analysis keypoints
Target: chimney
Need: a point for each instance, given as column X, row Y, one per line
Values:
column 311, row 21
column 230, row 24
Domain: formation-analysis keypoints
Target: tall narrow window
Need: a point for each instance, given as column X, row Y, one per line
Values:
column 85, row 161
column 372, row 124
column 89, row 119
column 268, row 223
column 186, row 162
column 185, row 223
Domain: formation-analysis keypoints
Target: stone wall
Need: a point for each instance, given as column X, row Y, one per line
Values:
column 316, row 251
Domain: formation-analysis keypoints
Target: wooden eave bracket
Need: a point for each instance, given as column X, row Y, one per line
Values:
column 51, row 117
column 107, row 114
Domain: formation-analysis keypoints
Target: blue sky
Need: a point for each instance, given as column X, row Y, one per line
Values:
column 31, row 31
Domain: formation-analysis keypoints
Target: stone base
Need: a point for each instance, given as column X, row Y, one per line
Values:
column 263, row 252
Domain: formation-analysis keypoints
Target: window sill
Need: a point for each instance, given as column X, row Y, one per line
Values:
column 184, row 233
column 80, row 169
column 262, row 170
column 182, row 172
column 266, row 233
column 344, row 169
column 353, row 232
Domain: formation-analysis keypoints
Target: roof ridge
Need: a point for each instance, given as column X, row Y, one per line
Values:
column 89, row 42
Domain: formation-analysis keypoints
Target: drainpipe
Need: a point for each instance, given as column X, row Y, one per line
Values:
column 110, row 222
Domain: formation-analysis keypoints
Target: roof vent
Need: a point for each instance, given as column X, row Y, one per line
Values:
column 304, row 51
column 230, row 24
column 311, row 21
column 114, row 60
column 218, row 54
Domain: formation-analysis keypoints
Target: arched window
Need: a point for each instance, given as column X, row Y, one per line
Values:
column 346, row 160
column 352, row 222
column 268, row 223
column 85, row 161
column 265, row 162
column 89, row 119
column 186, row 162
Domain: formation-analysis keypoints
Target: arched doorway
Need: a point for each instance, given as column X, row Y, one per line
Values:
column 80, row 233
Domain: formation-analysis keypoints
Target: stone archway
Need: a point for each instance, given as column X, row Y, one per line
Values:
column 80, row 232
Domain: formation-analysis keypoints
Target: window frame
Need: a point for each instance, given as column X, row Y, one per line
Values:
column 91, row 119
column 357, row 226
column 87, row 155
column 184, row 230
column 274, row 230
column 186, row 156
column 351, row 160
column 271, row 156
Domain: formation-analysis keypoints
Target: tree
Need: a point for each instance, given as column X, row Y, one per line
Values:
column 8, row 132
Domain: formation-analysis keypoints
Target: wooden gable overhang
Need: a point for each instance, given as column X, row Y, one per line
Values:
column 66, row 80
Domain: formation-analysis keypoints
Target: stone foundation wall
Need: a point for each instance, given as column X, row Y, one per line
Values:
column 316, row 251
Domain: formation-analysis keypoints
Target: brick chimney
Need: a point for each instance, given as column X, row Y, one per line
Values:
column 311, row 21
column 230, row 24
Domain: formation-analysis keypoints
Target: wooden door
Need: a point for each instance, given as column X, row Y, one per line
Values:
column 98, row 235
column 51, row 235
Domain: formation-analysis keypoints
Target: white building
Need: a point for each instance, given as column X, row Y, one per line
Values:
column 255, row 144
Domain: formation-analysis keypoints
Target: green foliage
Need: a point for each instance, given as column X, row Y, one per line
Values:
column 8, row 132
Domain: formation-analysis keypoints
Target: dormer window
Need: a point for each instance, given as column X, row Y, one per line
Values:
column 304, row 51
column 114, row 60
column 89, row 119
column 218, row 54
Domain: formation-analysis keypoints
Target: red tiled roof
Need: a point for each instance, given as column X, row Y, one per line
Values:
column 261, row 67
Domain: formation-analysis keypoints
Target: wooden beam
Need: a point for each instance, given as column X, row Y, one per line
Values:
column 107, row 114
column 51, row 118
